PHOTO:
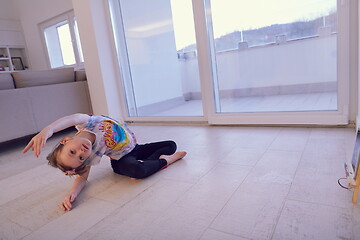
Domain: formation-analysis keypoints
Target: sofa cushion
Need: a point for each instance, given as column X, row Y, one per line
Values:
column 37, row 78
column 6, row 81
column 80, row 75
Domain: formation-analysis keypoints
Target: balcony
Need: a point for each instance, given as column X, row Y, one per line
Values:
column 294, row 75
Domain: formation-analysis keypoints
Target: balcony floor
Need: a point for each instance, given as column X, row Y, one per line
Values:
column 279, row 103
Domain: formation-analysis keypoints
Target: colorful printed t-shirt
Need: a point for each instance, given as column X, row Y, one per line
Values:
column 113, row 139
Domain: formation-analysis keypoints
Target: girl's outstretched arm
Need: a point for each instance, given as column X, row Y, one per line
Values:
column 78, row 185
column 39, row 140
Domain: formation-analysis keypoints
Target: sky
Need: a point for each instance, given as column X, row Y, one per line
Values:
column 233, row 15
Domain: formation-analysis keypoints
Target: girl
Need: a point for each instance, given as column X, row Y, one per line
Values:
column 98, row 136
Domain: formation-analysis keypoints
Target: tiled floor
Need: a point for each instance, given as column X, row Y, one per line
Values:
column 325, row 101
column 235, row 183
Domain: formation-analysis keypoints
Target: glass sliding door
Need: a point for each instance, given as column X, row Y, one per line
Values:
column 250, row 62
column 156, row 48
column 274, row 56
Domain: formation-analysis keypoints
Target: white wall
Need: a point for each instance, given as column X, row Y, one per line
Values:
column 297, row 62
column 8, row 10
column 98, row 49
column 31, row 14
column 11, row 32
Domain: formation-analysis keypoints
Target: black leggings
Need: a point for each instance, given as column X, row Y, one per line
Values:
column 144, row 160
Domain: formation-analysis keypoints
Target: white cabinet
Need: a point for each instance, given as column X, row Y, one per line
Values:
column 4, row 59
column 13, row 58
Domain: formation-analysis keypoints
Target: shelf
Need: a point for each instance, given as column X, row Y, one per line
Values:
column 13, row 57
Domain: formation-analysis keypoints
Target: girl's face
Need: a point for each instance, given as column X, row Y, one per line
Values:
column 75, row 151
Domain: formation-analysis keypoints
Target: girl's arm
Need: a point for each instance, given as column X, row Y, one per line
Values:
column 77, row 186
column 39, row 140
column 68, row 121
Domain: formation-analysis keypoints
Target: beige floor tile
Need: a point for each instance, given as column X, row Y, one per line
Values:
column 282, row 161
column 123, row 191
column 235, row 183
column 291, row 139
column 319, row 169
column 25, row 182
column 9, row 229
column 186, row 223
column 356, row 221
column 100, row 180
column 138, row 216
column 17, row 165
column 253, row 210
column 37, row 208
column 348, row 133
column 211, row 234
column 198, row 162
column 73, row 223
column 205, row 154
column 217, row 135
column 243, row 156
column 250, row 215
column 259, row 138
column 213, row 191
column 274, row 168
column 319, row 188
column 300, row 220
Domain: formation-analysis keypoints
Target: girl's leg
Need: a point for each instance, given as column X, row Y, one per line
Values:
column 144, row 160
column 151, row 151
column 130, row 166
column 163, row 150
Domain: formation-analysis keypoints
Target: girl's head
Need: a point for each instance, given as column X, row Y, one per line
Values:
column 70, row 154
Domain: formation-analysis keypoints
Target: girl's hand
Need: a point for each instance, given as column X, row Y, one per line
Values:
column 78, row 185
column 38, row 141
column 66, row 204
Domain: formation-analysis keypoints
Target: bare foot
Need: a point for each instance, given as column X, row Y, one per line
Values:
column 174, row 157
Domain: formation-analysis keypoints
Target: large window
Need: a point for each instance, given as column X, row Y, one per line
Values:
column 234, row 61
column 62, row 41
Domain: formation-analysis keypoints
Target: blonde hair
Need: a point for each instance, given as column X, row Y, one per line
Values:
column 53, row 161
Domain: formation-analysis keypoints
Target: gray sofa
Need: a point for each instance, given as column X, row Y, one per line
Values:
column 30, row 100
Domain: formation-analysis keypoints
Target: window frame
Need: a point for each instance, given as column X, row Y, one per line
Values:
column 69, row 18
